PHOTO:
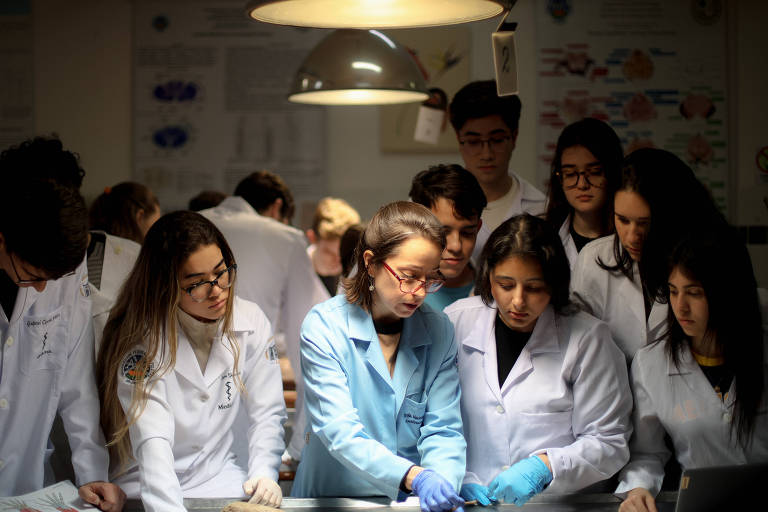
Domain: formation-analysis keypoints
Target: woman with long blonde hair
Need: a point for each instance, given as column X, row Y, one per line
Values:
column 179, row 357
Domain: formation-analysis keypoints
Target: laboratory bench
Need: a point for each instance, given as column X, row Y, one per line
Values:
column 544, row 503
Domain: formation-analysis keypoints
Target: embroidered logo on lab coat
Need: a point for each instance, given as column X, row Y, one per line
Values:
column 229, row 390
column 271, row 353
column 85, row 287
column 129, row 367
column 44, row 350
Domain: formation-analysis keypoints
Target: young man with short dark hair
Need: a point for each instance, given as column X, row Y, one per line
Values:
column 457, row 200
column 486, row 127
column 47, row 351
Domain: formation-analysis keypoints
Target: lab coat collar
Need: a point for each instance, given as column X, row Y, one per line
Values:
column 117, row 252
column 544, row 339
column 482, row 338
column 239, row 321
column 696, row 380
column 220, row 360
column 235, row 204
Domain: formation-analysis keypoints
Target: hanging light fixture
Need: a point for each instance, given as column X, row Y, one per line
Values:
column 379, row 14
column 358, row 67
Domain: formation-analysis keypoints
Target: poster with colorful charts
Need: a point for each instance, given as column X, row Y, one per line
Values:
column 655, row 71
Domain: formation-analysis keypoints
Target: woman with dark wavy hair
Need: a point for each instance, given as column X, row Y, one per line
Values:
column 621, row 279
column 544, row 392
column 704, row 384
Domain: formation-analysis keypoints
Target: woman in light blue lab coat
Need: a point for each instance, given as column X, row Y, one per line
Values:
column 545, row 396
column 705, row 384
column 382, row 387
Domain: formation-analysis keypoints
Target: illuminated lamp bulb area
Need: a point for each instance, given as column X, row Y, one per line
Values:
column 373, row 13
column 358, row 97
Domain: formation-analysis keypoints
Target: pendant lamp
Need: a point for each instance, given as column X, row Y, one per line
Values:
column 358, row 67
column 379, row 14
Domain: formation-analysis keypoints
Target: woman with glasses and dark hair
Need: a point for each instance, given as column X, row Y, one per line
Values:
column 704, row 384
column 586, row 171
column 181, row 354
column 381, row 383
column 545, row 397
column 621, row 279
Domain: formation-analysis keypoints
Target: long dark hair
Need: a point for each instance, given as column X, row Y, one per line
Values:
column 526, row 235
column 719, row 260
column 679, row 203
column 600, row 139
column 144, row 315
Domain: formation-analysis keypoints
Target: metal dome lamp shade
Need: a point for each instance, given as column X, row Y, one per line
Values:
column 379, row 14
column 358, row 67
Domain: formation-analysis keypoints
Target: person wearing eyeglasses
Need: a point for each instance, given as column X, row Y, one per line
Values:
column 381, row 382
column 46, row 337
column 545, row 396
column 586, row 171
column 180, row 357
column 622, row 278
column 486, row 127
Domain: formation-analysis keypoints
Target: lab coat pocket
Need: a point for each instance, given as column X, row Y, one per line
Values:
column 551, row 428
column 44, row 337
column 410, row 422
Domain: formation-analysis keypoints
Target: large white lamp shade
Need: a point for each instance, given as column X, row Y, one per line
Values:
column 379, row 14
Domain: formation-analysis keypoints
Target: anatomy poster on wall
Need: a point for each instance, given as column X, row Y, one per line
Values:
column 210, row 102
column 654, row 70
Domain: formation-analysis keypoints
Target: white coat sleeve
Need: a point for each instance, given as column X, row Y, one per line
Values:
column 152, row 437
column 648, row 449
column 586, row 292
column 332, row 415
column 264, row 401
column 601, row 416
column 442, row 446
column 79, row 400
column 303, row 289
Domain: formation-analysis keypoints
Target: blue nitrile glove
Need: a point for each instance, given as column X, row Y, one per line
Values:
column 477, row 492
column 435, row 493
column 522, row 481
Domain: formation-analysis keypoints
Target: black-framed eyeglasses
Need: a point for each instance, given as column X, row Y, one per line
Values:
column 412, row 285
column 570, row 178
column 203, row 289
column 474, row 145
column 23, row 282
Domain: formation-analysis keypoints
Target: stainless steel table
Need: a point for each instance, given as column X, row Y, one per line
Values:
column 562, row 503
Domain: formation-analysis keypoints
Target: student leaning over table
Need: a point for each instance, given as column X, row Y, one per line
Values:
column 181, row 355
column 382, row 387
column 545, row 396
column 705, row 383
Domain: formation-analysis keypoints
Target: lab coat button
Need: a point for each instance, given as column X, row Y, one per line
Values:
column 2, row 463
column 726, row 417
column 3, row 403
column 9, row 341
column 504, row 468
column 500, row 409
column 204, row 398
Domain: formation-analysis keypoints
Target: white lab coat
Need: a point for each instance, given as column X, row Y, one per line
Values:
column 182, row 441
column 119, row 257
column 275, row 272
column 529, row 199
column 568, row 244
column 682, row 403
column 567, row 395
column 615, row 299
column 47, row 366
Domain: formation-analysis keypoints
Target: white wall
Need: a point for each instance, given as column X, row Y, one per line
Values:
column 83, row 93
